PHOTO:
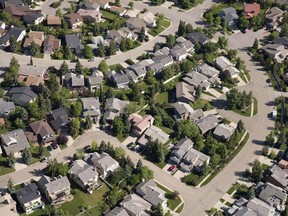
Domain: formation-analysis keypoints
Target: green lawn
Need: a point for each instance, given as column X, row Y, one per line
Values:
column 62, row 146
column 247, row 111
column 161, row 165
column 162, row 26
column 35, row 151
column 116, row 67
column 179, row 210
column 233, row 188
column 95, row 211
column 208, row 93
column 172, row 203
column 4, row 169
column 199, row 104
column 161, row 98
column 80, row 198
column 255, row 106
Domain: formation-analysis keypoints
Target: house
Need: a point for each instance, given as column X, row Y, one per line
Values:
column 113, row 108
column 280, row 2
column 135, row 205
column 121, row 80
column 223, row 64
column 135, row 23
column 17, row 11
column 163, row 51
column 56, row 190
column 273, row 17
column 21, row 95
column 6, row 107
column 184, row 92
column 74, row 43
column 139, row 69
column 277, row 176
column 32, row 76
column 7, row 205
column 34, row 18
column 140, row 123
column 196, row 115
column 276, row 51
column 224, row 131
column 91, row 107
column 95, row 41
column 103, row 162
column 31, row 80
column 34, row 37
column 117, row 211
column 54, row 21
column 74, row 81
column 42, row 131
column 187, row 45
column 5, row 3
column 154, row 133
column 29, row 198
column 130, row 14
column 178, row 53
column 94, row 81
column 149, row 18
column 125, row 32
column 90, row 16
column 207, row 123
column 165, row 60
column 207, row 70
column 151, row 192
column 74, row 20
column 113, row 34
column 182, row 111
column 104, row 4
column 197, row 37
column 251, row 10
column 283, row 164
column 194, row 159
column 118, row 10
column 51, row 44
column 87, row 5
column 16, row 32
column 229, row 15
column 281, row 40
column 84, row 175
column 14, row 141
column 131, row 75
column 272, row 195
column 58, row 119
column 196, row 79
column 179, row 150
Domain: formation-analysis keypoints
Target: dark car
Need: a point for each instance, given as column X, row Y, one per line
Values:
column 54, row 145
column 86, row 148
column 49, row 148
column 130, row 145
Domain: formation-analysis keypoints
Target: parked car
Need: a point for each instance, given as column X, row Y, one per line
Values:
column 91, row 60
column 172, row 168
column 46, row 159
column 49, row 148
column 54, row 145
column 129, row 145
column 138, row 148
column 86, row 148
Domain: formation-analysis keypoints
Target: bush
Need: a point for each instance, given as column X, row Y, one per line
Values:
column 265, row 151
column 62, row 139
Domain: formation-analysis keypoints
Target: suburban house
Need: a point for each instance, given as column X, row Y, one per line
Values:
column 136, row 23
column 33, row 18
column 229, row 15
column 14, row 142
column 274, row 17
column 281, row 40
column 276, row 51
column 280, row 2
column 118, row 10
column 178, row 53
column 8, row 205
column 208, row 71
column 251, row 10
column 42, row 131
column 17, row 11
column 224, row 131
column 29, row 198
column 277, row 176
column 160, row 62
column 179, row 150
column 135, row 205
column 74, row 81
column 51, row 44
column 6, row 3
column 131, row 75
column 90, row 16
column 74, row 20
column 53, row 21
column 94, row 81
column 154, row 133
column 194, row 159
column 84, row 175
column 21, row 95
column 74, row 43
column 103, row 3
column 6, row 107
column 182, row 111
column 114, row 107
column 91, row 107
column 103, row 162
column 16, row 32
column 272, row 195
column 151, row 192
column 120, row 80
column 139, row 69
column 184, row 92
column 87, row 5
column 197, row 37
column 125, row 32
column 283, row 164
column 187, row 45
column 140, row 123
column 56, row 190
column 196, row 79
column 130, row 13
column 31, row 80
column 223, row 64
column 207, row 123
column 58, row 119
column 34, row 37
column 149, row 18
column 117, row 211
column 95, row 41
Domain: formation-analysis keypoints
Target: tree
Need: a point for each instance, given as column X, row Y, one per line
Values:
column 62, row 139
column 112, row 48
column 103, row 66
column 181, row 29
column 41, row 151
column 74, row 127
column 89, row 122
column 13, row 46
column 27, row 156
column 155, row 151
column 240, row 126
column 131, row 4
column 11, row 160
column 118, row 126
column 11, row 76
column 217, row 21
column 101, row 49
column 31, row 61
column 270, row 140
column 198, row 92
column 256, row 174
column 10, row 186
column 188, row 28
column 79, row 68
column 79, row 154
column 243, row 23
column 76, row 108
column 142, row 35
column 64, row 68
column 34, row 48
column 187, row 66
column 67, row 52
column 88, row 52
column 117, row 3
column 55, row 169
column 222, row 42
column 170, row 41
column 265, row 151
column 59, row 12
column 255, row 46
column 157, row 210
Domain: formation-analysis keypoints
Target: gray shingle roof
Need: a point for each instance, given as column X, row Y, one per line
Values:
column 23, row 94
column 135, row 204
column 117, row 211
column 59, row 118
column 154, row 133
column 57, row 185
column 73, row 41
column 14, row 141
column 6, row 107
column 207, row 123
column 91, row 106
column 82, row 171
column 197, row 37
column 28, row 193
column 224, row 130
column 279, row 175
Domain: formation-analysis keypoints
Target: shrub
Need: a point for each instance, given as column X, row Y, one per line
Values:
column 62, row 139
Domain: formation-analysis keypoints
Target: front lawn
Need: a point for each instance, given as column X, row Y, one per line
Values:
column 172, row 203
column 201, row 103
column 35, row 152
column 163, row 24
column 247, row 110
column 179, row 210
column 161, row 98
column 4, row 169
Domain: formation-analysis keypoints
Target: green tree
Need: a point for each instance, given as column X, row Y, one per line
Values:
column 88, row 52
column 101, row 49
column 117, row 3
column 64, row 68
column 256, row 174
column 13, row 45
column 270, row 140
column 11, row 76
column 255, row 46
column 170, row 40
column 59, row 13
column 118, row 126
column 188, row 28
column 243, row 23
column 131, row 4
column 112, row 48
column 181, row 28
column 265, row 151
column 157, row 210
column 31, row 61
column 88, row 122
column 79, row 68
column 11, row 160
column 10, row 186
column 222, row 42
column 74, row 127
column 34, row 48
column 76, row 108
column 67, row 52
column 103, row 66
column 55, row 169
column 27, row 156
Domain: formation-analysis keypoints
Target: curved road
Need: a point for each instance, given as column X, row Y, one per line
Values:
column 197, row 201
